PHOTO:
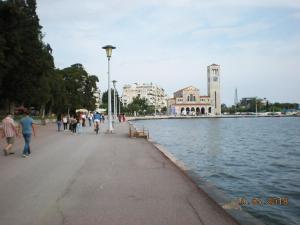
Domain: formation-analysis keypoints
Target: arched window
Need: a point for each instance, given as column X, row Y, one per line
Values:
column 192, row 98
column 188, row 98
column 202, row 110
column 209, row 110
column 187, row 110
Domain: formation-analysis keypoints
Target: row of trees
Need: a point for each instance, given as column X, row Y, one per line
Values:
column 261, row 107
column 28, row 76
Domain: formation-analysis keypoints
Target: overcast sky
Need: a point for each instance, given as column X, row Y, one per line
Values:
column 171, row 42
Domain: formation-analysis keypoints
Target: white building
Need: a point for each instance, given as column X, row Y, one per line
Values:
column 188, row 101
column 154, row 94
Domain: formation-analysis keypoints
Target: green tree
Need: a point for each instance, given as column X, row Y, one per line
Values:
column 164, row 110
column 140, row 106
column 24, row 59
column 90, row 86
column 105, row 101
column 79, row 87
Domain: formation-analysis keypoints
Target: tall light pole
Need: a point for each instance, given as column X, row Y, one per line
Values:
column 119, row 104
column 115, row 103
column 256, row 106
column 109, row 49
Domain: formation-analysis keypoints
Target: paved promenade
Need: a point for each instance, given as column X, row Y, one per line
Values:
column 107, row 179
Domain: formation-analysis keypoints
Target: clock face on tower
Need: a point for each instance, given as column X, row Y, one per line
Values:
column 215, row 78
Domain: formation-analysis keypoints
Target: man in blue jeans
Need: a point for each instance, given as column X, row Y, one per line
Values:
column 27, row 130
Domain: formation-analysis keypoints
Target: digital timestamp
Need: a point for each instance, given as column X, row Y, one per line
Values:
column 272, row 201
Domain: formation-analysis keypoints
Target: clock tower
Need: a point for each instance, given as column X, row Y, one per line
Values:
column 213, row 87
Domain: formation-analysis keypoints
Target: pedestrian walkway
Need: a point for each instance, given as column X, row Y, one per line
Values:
column 107, row 179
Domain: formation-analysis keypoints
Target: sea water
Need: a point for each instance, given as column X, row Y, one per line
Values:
column 256, row 160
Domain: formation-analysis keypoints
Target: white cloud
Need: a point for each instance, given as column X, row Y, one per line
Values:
column 296, row 15
column 231, row 31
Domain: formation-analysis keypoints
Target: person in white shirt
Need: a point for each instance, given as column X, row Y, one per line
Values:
column 65, row 122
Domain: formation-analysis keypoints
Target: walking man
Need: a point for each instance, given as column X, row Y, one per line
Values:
column 27, row 130
column 9, row 132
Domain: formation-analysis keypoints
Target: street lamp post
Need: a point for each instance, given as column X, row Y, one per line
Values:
column 256, row 106
column 119, row 104
column 109, row 49
column 115, row 104
column 155, row 100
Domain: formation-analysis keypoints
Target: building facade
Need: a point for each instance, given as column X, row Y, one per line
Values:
column 188, row 101
column 154, row 94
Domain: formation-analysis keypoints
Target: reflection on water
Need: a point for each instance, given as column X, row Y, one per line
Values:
column 244, row 157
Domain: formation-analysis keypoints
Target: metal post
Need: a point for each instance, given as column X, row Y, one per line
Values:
column 256, row 106
column 155, row 101
column 116, row 106
column 119, row 105
column 110, row 128
column 114, row 103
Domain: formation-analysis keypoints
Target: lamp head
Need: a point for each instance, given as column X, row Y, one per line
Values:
column 108, row 49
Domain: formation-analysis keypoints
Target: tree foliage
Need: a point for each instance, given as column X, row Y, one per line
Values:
column 140, row 106
column 27, row 72
column 105, row 100
column 24, row 59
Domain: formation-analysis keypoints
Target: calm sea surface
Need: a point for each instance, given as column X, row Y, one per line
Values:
column 243, row 157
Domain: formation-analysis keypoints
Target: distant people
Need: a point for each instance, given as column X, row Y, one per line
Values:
column 120, row 118
column 123, row 117
column 79, row 125
column 90, row 118
column 103, row 118
column 59, row 122
column 9, row 132
column 73, row 124
column 83, row 117
column 27, row 130
column 65, row 122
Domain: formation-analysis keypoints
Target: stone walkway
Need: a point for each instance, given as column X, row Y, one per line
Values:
column 107, row 179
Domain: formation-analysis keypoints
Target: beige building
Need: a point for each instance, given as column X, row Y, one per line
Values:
column 154, row 94
column 188, row 101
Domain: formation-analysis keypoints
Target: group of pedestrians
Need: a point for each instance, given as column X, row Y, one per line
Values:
column 121, row 117
column 76, row 123
column 10, row 132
